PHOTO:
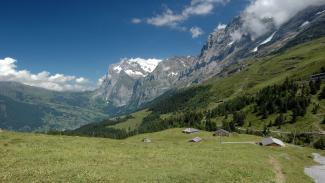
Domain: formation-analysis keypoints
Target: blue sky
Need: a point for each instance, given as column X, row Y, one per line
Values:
column 82, row 37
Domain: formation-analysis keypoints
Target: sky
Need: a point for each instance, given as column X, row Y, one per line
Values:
column 69, row 44
column 82, row 37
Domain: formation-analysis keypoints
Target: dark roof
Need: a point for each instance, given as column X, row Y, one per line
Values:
column 221, row 131
column 196, row 139
column 190, row 130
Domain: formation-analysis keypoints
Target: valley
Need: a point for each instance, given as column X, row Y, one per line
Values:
column 244, row 103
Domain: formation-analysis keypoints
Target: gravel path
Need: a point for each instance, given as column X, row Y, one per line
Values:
column 317, row 172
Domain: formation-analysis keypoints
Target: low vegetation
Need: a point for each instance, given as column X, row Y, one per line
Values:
column 168, row 158
column 273, row 94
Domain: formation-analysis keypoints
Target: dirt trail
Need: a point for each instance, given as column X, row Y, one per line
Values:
column 317, row 172
column 280, row 178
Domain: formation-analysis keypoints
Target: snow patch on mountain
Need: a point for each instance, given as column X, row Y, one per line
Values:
column 172, row 74
column 304, row 24
column 117, row 69
column 318, row 13
column 268, row 39
column 147, row 65
column 134, row 73
column 265, row 41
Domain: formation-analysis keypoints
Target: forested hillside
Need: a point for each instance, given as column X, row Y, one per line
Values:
column 260, row 95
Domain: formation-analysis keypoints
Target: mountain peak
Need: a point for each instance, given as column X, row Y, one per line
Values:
column 134, row 67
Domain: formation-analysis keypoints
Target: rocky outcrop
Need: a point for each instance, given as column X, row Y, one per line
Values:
column 127, row 83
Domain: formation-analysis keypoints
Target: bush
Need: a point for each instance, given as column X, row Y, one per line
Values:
column 320, row 143
column 322, row 94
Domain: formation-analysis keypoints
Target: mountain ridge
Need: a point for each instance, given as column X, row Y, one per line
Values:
column 225, row 46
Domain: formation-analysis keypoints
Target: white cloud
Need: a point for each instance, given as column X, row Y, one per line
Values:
column 168, row 18
column 101, row 80
column 236, row 35
column 220, row 26
column 136, row 20
column 196, row 8
column 280, row 11
column 196, row 32
column 58, row 82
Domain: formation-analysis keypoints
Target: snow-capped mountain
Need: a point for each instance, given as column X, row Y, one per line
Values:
column 137, row 81
column 134, row 67
column 141, row 79
column 117, row 85
column 232, row 44
column 163, row 78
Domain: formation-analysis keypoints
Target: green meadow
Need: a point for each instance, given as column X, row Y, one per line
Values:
column 168, row 158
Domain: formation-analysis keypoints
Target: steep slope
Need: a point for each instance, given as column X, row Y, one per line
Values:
column 163, row 78
column 233, row 44
column 224, row 47
column 134, row 82
column 196, row 106
column 118, row 85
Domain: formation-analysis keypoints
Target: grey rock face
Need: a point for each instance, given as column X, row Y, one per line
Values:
column 232, row 44
column 117, row 86
column 166, row 76
column 128, row 83
column 223, row 48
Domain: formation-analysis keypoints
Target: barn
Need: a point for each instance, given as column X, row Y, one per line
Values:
column 146, row 140
column 190, row 130
column 196, row 139
column 270, row 141
column 221, row 132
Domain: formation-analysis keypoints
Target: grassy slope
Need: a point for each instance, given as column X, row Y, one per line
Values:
column 134, row 122
column 169, row 158
column 297, row 63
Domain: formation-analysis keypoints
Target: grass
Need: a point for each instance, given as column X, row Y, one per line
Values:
column 298, row 62
column 169, row 158
column 133, row 122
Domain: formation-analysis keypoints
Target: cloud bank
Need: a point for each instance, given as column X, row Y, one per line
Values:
column 168, row 18
column 57, row 82
column 255, row 16
column 196, row 8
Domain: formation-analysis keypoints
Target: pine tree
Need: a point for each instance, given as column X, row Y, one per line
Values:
column 313, row 89
column 266, row 130
column 322, row 94
column 279, row 120
column 315, row 109
column 294, row 116
column 318, row 83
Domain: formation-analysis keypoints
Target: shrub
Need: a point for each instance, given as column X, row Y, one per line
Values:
column 320, row 143
column 322, row 94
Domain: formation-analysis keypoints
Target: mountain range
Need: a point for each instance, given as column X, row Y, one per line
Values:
column 225, row 46
column 131, row 84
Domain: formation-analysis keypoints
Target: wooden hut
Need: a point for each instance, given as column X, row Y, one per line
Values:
column 146, row 140
column 196, row 139
column 190, row 130
column 221, row 132
column 270, row 141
